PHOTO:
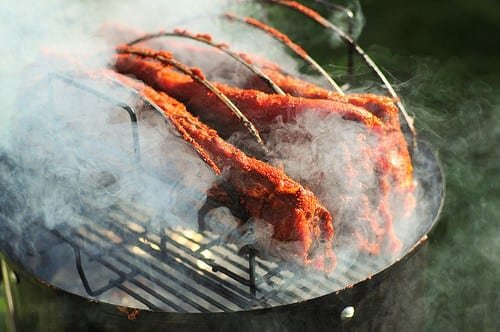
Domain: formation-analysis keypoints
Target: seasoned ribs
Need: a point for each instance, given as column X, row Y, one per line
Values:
column 378, row 114
column 261, row 108
column 265, row 192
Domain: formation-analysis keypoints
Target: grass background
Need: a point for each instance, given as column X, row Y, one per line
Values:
column 445, row 56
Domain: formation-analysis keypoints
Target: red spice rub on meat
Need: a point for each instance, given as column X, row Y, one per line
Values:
column 260, row 108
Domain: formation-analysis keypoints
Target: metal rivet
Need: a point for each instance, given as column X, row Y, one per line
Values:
column 13, row 278
column 347, row 313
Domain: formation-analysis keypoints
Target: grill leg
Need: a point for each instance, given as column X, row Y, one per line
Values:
column 7, row 275
column 251, row 272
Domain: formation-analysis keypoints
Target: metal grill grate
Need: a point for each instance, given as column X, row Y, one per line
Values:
column 179, row 270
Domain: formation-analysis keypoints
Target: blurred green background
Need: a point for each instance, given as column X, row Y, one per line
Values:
column 460, row 31
column 444, row 57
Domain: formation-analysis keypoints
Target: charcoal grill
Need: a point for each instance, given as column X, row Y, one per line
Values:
column 110, row 270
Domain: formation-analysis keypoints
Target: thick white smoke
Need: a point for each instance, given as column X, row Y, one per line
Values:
column 78, row 149
column 334, row 158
